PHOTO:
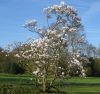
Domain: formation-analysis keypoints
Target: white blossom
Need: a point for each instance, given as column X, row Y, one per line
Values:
column 7, row 55
column 17, row 55
column 62, row 3
column 75, row 61
column 36, row 72
column 72, row 30
column 37, row 62
column 31, row 23
column 64, row 29
column 62, row 73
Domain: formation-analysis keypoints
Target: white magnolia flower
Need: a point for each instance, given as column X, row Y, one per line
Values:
column 72, row 29
column 17, row 55
column 64, row 29
column 36, row 72
column 62, row 3
column 75, row 61
column 6, row 55
column 2, row 51
column 83, row 74
column 37, row 62
column 30, row 55
column 31, row 23
column 62, row 73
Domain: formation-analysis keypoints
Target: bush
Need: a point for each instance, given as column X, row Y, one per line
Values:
column 96, row 67
column 88, row 70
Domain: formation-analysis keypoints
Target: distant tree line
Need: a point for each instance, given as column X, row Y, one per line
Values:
column 9, row 63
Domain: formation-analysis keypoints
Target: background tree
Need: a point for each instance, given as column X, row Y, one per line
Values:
column 18, row 49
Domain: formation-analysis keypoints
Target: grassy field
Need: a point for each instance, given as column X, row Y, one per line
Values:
column 21, row 84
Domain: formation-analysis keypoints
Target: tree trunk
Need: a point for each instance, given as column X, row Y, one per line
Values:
column 44, row 81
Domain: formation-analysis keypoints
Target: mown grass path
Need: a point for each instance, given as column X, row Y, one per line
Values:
column 25, row 84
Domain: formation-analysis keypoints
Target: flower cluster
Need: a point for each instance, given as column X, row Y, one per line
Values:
column 64, row 13
column 30, row 24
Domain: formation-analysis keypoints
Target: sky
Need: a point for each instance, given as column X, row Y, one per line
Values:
column 14, row 13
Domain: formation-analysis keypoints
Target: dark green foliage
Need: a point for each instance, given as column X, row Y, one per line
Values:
column 93, row 69
column 96, row 67
column 88, row 70
column 9, row 63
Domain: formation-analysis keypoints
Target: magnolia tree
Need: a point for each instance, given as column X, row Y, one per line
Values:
column 53, row 53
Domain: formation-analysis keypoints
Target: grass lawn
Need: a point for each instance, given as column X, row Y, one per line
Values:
column 76, row 85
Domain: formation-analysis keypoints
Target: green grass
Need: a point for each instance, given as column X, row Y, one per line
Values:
column 76, row 85
column 89, row 85
column 85, row 80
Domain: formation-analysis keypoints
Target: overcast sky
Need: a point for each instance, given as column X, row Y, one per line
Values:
column 14, row 13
